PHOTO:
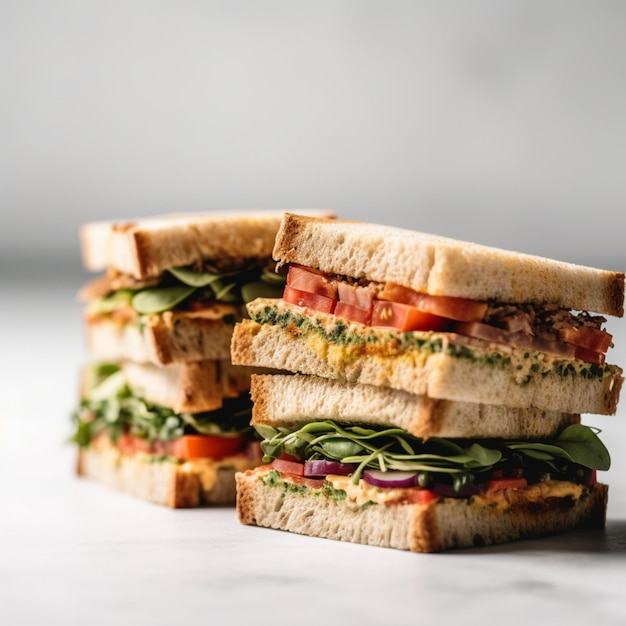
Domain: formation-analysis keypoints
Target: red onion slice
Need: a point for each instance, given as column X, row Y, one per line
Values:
column 390, row 478
column 322, row 467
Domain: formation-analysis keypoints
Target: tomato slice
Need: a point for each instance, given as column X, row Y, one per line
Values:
column 460, row 309
column 311, row 281
column 498, row 484
column 417, row 495
column 129, row 444
column 187, row 447
column 589, row 356
column 311, row 300
column 313, row 483
column 353, row 313
column 214, row 447
column 590, row 338
column 288, row 467
column 404, row 317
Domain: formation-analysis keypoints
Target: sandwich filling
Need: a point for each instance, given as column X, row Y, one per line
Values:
column 541, row 328
column 211, row 291
column 112, row 414
column 339, row 340
column 366, row 465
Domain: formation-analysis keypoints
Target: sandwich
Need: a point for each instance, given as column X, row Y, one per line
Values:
column 174, row 286
column 163, row 414
column 138, row 433
column 428, row 392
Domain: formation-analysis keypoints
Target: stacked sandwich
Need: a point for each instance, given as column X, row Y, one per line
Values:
column 431, row 390
column 164, row 415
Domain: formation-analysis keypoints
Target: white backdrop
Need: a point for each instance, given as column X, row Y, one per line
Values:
column 499, row 122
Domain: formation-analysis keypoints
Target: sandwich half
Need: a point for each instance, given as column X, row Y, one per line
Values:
column 357, row 463
column 137, row 432
column 437, row 317
column 434, row 390
column 173, row 286
column 164, row 415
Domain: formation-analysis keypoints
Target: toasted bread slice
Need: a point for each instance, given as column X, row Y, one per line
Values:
column 290, row 401
column 145, row 247
column 386, row 520
column 160, row 338
column 188, row 387
column 163, row 481
column 443, row 266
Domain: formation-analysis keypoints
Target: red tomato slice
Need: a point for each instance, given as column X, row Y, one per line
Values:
column 460, row 309
column 589, row 356
column 125, row 444
column 353, row 313
column 311, row 281
column 404, row 317
column 190, row 447
column 129, row 444
column 498, row 484
column 313, row 483
column 311, row 300
column 187, row 447
column 421, row 496
column 590, row 338
column 285, row 466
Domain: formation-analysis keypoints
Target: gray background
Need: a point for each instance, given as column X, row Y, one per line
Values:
column 498, row 122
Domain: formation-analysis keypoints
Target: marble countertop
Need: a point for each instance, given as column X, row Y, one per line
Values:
column 72, row 552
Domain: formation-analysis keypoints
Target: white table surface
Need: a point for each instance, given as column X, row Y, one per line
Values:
column 72, row 552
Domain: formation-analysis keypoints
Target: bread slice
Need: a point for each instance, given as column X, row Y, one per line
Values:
column 163, row 481
column 161, row 338
column 446, row 523
column 290, row 401
column 443, row 266
column 189, row 387
column 439, row 365
column 145, row 247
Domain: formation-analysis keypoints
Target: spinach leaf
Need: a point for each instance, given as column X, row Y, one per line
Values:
column 110, row 303
column 584, row 447
column 395, row 449
column 112, row 406
column 159, row 299
column 191, row 278
column 576, row 443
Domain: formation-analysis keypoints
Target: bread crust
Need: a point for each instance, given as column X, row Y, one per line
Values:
column 292, row 400
column 145, row 247
column 160, row 339
column 170, row 484
column 447, row 523
column 437, row 374
column 444, row 266
column 191, row 387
